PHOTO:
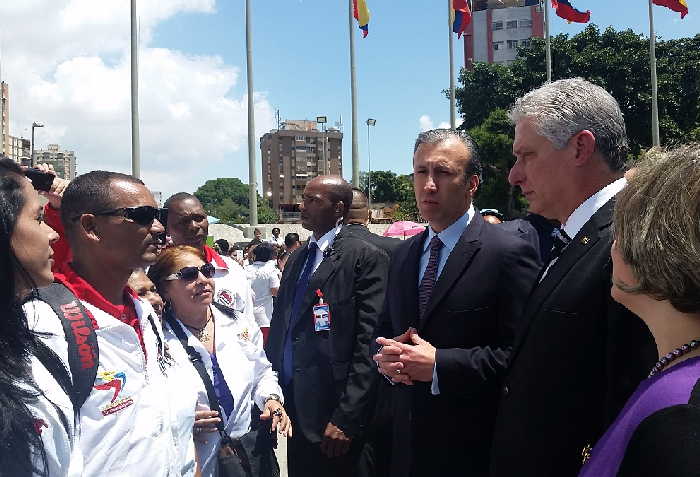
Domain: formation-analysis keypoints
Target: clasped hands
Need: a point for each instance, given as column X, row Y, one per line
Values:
column 406, row 358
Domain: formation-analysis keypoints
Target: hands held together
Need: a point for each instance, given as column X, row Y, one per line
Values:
column 406, row 358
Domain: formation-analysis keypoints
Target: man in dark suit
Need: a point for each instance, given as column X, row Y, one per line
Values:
column 454, row 299
column 356, row 224
column 581, row 354
column 323, row 354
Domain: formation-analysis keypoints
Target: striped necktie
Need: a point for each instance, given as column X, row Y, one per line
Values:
column 425, row 289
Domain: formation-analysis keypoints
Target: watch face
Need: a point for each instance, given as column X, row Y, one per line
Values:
column 275, row 397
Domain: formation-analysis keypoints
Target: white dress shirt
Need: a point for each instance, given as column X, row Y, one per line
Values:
column 324, row 243
column 586, row 210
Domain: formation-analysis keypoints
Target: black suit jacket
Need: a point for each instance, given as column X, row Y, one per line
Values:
column 334, row 375
column 577, row 362
column 361, row 232
column 471, row 319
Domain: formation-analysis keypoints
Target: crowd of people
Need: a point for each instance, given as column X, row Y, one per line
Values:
column 562, row 343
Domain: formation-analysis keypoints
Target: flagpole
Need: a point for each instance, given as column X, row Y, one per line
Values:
column 655, row 137
column 548, row 43
column 353, row 93
column 135, row 142
column 453, row 121
column 252, row 179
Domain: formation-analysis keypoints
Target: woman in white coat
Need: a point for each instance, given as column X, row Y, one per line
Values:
column 230, row 347
column 265, row 281
column 38, row 434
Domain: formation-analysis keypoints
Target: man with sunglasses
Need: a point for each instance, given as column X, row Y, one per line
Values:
column 128, row 424
column 187, row 224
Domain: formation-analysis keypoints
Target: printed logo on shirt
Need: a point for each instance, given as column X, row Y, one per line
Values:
column 226, row 298
column 38, row 424
column 244, row 335
column 113, row 381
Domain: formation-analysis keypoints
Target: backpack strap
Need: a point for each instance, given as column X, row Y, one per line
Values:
column 79, row 330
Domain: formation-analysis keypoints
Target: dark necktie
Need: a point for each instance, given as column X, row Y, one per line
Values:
column 559, row 244
column 299, row 292
column 425, row 289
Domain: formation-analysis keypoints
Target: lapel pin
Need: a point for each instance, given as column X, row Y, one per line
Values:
column 585, row 240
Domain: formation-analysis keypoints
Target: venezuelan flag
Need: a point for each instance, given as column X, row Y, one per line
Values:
column 680, row 6
column 566, row 11
column 361, row 14
column 462, row 15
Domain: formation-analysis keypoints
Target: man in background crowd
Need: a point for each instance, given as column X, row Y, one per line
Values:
column 291, row 242
column 358, row 218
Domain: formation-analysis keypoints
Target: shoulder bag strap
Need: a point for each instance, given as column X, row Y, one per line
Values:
column 196, row 360
column 83, row 351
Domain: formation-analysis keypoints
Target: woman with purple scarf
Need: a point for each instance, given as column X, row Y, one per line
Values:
column 656, row 275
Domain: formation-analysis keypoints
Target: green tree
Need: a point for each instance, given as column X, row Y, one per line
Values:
column 385, row 185
column 228, row 200
column 408, row 209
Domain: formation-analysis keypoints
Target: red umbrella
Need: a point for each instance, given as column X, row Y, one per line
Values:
column 404, row 228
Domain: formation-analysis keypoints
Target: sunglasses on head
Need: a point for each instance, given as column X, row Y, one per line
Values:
column 143, row 215
column 190, row 274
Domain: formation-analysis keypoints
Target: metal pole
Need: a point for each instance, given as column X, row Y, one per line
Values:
column 353, row 89
column 547, row 41
column 135, row 142
column 369, row 174
column 33, row 161
column 453, row 120
column 655, row 137
column 252, row 176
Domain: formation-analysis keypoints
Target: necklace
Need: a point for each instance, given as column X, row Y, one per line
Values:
column 674, row 355
column 201, row 333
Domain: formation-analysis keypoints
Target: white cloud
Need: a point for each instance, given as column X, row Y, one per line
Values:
column 68, row 66
column 425, row 123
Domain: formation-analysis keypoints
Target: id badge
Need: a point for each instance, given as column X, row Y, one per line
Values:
column 322, row 315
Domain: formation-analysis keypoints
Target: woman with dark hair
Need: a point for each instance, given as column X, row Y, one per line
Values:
column 264, row 280
column 37, row 433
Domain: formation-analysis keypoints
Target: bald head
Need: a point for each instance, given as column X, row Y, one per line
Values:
column 326, row 202
column 359, row 208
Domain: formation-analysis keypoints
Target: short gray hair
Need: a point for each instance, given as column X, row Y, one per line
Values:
column 435, row 136
column 566, row 107
column 657, row 227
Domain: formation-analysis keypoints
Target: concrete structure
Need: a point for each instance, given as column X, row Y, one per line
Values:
column 63, row 162
column 499, row 27
column 293, row 155
column 20, row 150
column 5, row 141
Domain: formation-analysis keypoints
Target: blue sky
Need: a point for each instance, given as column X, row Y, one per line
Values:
column 67, row 63
column 302, row 63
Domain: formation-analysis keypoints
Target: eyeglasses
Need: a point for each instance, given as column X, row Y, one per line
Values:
column 190, row 274
column 143, row 215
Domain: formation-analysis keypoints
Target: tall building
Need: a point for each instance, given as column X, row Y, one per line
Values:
column 499, row 27
column 293, row 155
column 5, row 141
column 63, row 162
column 20, row 150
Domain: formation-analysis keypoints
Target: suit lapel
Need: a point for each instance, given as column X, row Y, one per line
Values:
column 409, row 302
column 323, row 273
column 461, row 256
column 584, row 241
column 293, row 277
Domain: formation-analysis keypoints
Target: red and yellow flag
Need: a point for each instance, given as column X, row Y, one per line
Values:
column 680, row 6
column 361, row 14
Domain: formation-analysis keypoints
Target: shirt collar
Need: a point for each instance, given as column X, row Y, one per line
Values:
column 451, row 234
column 590, row 206
column 327, row 239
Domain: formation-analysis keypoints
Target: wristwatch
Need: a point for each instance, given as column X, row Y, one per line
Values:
column 274, row 397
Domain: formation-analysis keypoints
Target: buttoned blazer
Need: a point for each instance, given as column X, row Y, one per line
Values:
column 334, row 375
column 576, row 363
column 471, row 318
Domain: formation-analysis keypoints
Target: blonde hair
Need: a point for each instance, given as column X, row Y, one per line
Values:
column 657, row 226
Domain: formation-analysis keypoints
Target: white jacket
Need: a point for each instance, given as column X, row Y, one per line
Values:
column 248, row 373
column 140, row 422
column 60, row 436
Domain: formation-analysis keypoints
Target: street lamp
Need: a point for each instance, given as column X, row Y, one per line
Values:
column 322, row 120
column 370, row 122
column 34, row 125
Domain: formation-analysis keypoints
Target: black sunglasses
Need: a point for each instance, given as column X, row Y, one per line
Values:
column 190, row 274
column 143, row 215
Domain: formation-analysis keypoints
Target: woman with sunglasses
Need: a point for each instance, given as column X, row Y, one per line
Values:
column 230, row 347
column 37, row 419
